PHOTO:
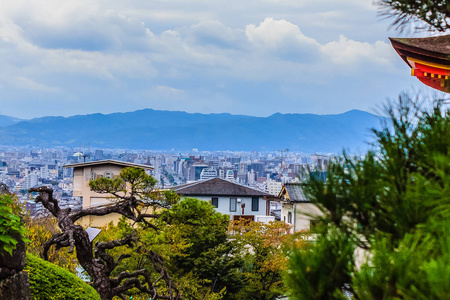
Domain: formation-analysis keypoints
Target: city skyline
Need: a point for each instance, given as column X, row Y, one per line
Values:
column 252, row 58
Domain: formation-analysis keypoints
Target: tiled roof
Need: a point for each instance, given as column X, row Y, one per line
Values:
column 218, row 187
column 437, row 44
column 109, row 161
column 295, row 192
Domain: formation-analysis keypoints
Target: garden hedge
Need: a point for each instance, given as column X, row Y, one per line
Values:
column 50, row 282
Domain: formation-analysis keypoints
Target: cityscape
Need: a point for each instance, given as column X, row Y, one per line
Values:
column 24, row 168
column 224, row 150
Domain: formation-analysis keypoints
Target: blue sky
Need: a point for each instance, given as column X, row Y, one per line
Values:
column 242, row 57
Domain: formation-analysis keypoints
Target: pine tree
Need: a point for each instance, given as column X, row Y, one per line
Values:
column 394, row 204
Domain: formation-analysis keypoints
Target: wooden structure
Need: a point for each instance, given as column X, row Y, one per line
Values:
column 428, row 58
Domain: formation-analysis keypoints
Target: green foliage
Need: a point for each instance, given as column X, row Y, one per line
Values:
column 321, row 271
column 11, row 227
column 135, row 185
column 133, row 180
column 395, row 204
column 50, row 282
column 192, row 239
column 433, row 13
column 264, row 248
column 205, row 252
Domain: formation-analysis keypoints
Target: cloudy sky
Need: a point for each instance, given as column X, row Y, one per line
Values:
column 253, row 57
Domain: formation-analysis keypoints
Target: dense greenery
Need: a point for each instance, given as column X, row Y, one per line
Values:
column 50, row 282
column 206, row 256
column 11, row 227
column 394, row 204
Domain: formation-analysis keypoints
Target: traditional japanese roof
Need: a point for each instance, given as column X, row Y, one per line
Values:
column 108, row 161
column 218, row 187
column 292, row 192
column 428, row 58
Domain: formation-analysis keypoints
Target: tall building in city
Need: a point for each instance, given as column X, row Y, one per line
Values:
column 208, row 173
column 274, row 187
column 230, row 175
column 30, row 181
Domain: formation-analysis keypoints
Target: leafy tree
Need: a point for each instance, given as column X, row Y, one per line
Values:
column 192, row 239
column 134, row 195
column 11, row 225
column 435, row 14
column 394, row 203
column 205, row 258
column 264, row 248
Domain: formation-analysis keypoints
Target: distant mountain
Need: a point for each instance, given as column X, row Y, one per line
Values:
column 7, row 121
column 164, row 130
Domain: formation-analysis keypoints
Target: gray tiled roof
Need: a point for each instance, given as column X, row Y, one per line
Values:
column 218, row 187
column 108, row 161
column 295, row 192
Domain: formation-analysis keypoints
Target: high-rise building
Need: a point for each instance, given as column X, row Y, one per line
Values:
column 230, row 175
column 208, row 173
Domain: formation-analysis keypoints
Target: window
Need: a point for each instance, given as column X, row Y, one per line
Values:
column 289, row 217
column 233, row 204
column 108, row 175
column 93, row 176
column 255, row 204
column 215, row 202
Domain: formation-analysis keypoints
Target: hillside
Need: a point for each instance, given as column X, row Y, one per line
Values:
column 165, row 130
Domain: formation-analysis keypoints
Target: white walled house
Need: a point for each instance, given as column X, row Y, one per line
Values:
column 228, row 197
column 296, row 209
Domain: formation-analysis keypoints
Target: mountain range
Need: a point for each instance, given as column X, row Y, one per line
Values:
column 166, row 130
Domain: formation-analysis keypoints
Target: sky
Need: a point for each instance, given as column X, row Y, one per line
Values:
column 250, row 57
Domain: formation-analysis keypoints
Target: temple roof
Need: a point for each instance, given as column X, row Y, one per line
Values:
column 437, row 44
column 428, row 58
column 434, row 49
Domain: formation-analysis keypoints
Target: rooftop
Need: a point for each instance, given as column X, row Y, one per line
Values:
column 218, row 187
column 293, row 192
column 108, row 161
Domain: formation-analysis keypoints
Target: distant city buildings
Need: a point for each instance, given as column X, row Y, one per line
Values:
column 24, row 167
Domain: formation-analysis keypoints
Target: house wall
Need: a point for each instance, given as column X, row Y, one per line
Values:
column 81, row 177
column 224, row 205
column 302, row 213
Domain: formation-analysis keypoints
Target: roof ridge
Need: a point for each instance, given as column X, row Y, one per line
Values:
column 233, row 185
column 196, row 182
column 97, row 162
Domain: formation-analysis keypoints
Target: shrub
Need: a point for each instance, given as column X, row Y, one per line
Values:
column 10, row 225
column 50, row 282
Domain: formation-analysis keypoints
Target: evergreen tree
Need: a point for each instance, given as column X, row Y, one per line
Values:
column 394, row 204
column 433, row 15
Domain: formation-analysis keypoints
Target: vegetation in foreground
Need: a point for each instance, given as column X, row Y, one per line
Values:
column 393, row 207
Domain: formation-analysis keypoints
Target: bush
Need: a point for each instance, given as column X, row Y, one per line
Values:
column 10, row 225
column 50, row 282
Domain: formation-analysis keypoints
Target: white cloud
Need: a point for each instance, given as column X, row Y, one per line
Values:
column 349, row 52
column 31, row 85
column 185, row 49
column 275, row 34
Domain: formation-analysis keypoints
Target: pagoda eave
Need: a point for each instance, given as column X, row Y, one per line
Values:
column 429, row 62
